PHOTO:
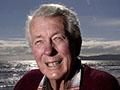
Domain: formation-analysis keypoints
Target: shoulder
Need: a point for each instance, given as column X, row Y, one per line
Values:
column 29, row 81
column 99, row 79
column 94, row 73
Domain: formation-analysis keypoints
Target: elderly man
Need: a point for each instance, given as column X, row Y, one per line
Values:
column 53, row 33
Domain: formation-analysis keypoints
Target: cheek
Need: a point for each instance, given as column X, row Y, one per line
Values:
column 64, row 49
column 37, row 52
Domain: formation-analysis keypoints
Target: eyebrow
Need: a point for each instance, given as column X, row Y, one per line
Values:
column 37, row 37
column 58, row 33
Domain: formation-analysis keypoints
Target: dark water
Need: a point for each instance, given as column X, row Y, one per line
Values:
column 12, row 71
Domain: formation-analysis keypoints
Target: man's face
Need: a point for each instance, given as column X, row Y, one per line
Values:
column 50, row 46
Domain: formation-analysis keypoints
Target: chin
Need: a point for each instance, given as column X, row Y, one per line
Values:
column 55, row 76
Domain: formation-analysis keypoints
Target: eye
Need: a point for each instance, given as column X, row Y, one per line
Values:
column 39, row 42
column 59, row 38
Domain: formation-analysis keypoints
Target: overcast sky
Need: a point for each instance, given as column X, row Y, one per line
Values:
column 100, row 20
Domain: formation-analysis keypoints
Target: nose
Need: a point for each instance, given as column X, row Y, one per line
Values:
column 50, row 50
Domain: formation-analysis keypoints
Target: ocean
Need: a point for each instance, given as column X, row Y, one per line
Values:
column 12, row 71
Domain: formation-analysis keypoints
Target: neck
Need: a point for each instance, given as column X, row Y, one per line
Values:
column 61, row 84
column 58, row 85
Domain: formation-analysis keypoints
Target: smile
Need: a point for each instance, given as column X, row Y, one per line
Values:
column 53, row 64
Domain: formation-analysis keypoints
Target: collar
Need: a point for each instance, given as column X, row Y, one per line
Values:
column 74, row 83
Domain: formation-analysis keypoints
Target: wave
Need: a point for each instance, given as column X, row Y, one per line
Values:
column 12, row 71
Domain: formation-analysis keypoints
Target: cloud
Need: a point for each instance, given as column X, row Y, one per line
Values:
column 88, row 2
column 105, row 27
column 100, row 21
column 90, row 46
column 9, row 48
column 13, row 43
column 94, row 46
column 111, row 22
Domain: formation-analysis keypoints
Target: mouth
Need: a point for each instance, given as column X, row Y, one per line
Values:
column 53, row 64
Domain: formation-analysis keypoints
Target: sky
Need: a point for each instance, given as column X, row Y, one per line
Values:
column 99, row 20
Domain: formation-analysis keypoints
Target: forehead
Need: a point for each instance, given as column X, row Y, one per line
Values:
column 41, row 20
column 46, row 24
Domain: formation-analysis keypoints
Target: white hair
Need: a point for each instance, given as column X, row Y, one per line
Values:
column 72, row 24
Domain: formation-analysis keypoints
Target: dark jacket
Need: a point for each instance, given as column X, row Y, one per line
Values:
column 92, row 79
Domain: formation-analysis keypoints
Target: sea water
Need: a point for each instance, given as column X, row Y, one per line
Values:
column 12, row 71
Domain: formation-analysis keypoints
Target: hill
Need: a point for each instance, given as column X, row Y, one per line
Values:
column 102, row 57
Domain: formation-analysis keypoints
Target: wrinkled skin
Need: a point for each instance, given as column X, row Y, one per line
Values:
column 50, row 47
